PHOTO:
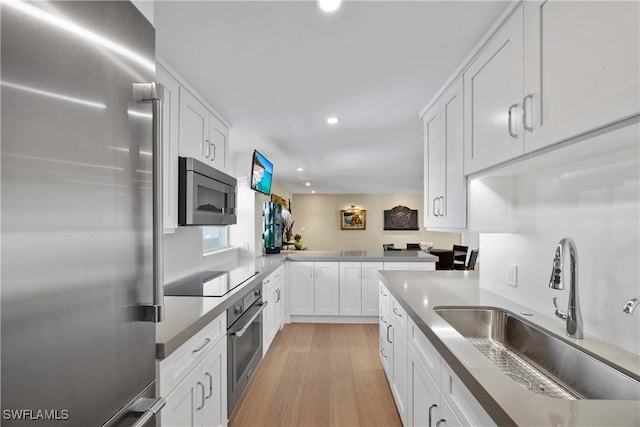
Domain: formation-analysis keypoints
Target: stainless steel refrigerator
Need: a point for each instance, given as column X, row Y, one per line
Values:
column 81, row 271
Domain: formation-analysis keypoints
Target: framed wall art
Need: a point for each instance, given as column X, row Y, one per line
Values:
column 353, row 219
column 401, row 218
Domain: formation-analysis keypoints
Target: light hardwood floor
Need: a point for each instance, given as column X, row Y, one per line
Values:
column 319, row 375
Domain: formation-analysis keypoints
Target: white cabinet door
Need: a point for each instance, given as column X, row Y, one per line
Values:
column 400, row 383
column 181, row 405
column 351, row 289
column 301, row 284
column 214, row 378
column 194, row 127
column 581, row 67
column 279, row 305
column 218, row 139
column 170, row 135
column 386, row 346
column 445, row 182
column 423, row 397
column 434, row 167
column 327, row 292
column 493, row 87
column 370, row 287
column 268, row 315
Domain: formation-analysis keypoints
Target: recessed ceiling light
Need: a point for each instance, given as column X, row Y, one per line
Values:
column 308, row 184
column 332, row 120
column 300, row 169
column 329, row 5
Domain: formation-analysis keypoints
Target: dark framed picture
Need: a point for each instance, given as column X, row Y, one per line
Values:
column 353, row 219
column 401, row 218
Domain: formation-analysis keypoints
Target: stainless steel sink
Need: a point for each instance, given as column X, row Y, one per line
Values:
column 539, row 360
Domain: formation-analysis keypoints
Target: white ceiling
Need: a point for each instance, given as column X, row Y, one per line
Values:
column 277, row 69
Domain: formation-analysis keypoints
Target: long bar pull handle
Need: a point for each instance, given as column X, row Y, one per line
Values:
column 440, row 213
column 214, row 151
column 201, row 395
column 433, row 206
column 149, row 408
column 206, row 342
column 513, row 135
column 210, row 377
column 524, row 112
column 430, row 408
column 389, row 327
column 441, row 421
column 154, row 93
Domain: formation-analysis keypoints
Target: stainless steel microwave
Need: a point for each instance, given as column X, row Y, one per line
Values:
column 206, row 196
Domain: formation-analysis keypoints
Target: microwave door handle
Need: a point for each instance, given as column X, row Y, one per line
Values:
column 154, row 93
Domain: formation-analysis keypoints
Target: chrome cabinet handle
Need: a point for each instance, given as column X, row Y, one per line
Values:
column 430, row 408
column 208, row 375
column 214, row 151
column 513, row 135
column 396, row 312
column 390, row 342
column 382, row 293
column 441, row 421
column 266, row 282
column 382, row 352
column 154, row 93
column 278, row 294
column 433, row 206
column 201, row 395
column 440, row 205
column 206, row 342
column 524, row 112
column 383, row 319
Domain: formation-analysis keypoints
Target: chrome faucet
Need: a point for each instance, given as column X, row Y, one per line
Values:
column 631, row 305
column 572, row 316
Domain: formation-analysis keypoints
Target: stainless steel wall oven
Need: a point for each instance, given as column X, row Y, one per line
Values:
column 244, row 343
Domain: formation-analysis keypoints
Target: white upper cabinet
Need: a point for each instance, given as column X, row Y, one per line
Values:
column 554, row 71
column 202, row 135
column 445, row 183
column 493, row 90
column 170, row 118
column 581, row 67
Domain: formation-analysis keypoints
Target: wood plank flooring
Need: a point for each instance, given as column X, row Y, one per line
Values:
column 319, row 375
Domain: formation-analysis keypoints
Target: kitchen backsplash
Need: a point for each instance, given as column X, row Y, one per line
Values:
column 596, row 203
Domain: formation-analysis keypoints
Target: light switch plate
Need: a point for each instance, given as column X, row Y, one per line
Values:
column 511, row 276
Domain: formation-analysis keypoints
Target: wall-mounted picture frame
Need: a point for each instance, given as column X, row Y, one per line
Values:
column 401, row 218
column 353, row 219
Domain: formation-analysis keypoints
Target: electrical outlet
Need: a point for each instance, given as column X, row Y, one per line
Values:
column 511, row 277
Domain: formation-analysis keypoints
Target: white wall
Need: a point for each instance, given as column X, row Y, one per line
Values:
column 146, row 7
column 596, row 203
column 319, row 214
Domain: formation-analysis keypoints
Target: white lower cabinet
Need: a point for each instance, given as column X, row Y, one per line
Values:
column 425, row 389
column 193, row 380
column 314, row 288
column 359, row 288
column 273, row 314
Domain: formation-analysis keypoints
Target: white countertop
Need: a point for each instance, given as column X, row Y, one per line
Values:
column 362, row 256
column 505, row 401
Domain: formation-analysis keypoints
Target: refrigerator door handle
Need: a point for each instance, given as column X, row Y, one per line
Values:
column 154, row 93
column 148, row 407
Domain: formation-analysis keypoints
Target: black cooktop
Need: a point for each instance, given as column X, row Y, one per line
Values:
column 209, row 283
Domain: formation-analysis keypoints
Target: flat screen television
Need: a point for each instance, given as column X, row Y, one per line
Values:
column 261, row 173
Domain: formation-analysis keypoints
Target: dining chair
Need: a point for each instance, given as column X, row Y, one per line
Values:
column 459, row 257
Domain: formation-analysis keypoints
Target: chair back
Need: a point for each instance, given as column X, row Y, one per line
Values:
column 387, row 246
column 413, row 246
column 473, row 257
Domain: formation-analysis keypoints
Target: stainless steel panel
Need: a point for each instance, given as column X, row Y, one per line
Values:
column 76, row 211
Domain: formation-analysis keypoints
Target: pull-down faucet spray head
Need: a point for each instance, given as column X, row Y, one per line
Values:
column 572, row 315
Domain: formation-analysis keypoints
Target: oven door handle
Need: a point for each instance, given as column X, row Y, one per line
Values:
column 250, row 321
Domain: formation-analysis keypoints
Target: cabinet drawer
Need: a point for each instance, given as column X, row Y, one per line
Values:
column 177, row 366
column 462, row 402
column 425, row 350
column 398, row 316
